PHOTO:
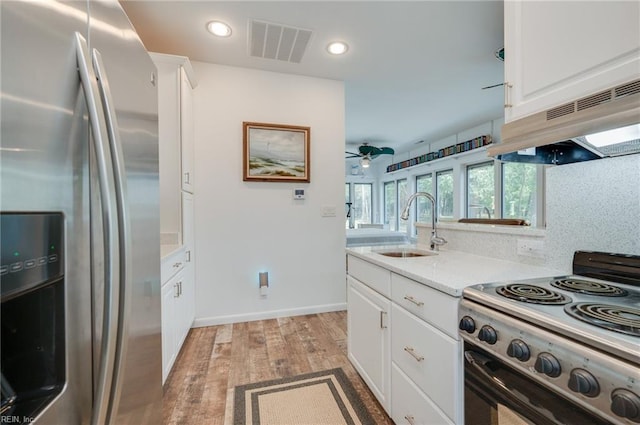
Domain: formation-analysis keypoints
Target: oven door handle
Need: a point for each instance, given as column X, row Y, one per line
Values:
column 479, row 363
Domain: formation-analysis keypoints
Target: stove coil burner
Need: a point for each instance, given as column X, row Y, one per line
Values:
column 588, row 287
column 620, row 319
column 532, row 294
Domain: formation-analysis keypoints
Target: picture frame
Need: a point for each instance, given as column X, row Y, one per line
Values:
column 276, row 152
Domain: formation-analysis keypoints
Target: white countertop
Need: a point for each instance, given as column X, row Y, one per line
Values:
column 168, row 249
column 451, row 271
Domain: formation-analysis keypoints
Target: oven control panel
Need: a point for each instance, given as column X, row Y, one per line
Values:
column 601, row 383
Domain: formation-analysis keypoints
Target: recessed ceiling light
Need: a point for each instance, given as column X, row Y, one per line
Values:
column 337, row 48
column 219, row 28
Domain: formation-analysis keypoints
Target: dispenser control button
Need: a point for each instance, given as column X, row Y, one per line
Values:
column 16, row 267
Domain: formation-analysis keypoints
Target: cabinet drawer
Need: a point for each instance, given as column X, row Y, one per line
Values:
column 430, row 358
column 172, row 264
column 371, row 275
column 409, row 405
column 435, row 307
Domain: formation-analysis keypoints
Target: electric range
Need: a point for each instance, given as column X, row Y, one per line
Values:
column 577, row 335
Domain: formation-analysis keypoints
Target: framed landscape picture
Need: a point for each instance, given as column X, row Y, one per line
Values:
column 275, row 153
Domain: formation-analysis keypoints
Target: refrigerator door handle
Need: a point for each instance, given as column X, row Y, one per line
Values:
column 124, row 232
column 110, row 226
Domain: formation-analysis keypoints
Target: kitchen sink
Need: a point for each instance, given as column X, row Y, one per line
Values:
column 405, row 253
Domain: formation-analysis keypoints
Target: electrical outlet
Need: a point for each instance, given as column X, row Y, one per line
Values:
column 531, row 248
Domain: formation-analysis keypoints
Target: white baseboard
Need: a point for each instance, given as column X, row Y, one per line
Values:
column 249, row 317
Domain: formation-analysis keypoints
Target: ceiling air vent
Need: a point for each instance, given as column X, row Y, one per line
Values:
column 275, row 41
column 560, row 111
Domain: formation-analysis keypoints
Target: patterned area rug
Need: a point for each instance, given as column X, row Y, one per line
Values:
column 311, row 399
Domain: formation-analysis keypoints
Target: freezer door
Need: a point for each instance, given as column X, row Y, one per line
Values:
column 124, row 66
column 44, row 167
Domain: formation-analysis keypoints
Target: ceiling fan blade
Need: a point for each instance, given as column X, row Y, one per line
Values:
column 353, row 155
column 387, row 151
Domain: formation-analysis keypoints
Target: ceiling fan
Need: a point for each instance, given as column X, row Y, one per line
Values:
column 367, row 152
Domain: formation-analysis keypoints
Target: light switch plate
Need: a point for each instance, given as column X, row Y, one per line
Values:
column 328, row 211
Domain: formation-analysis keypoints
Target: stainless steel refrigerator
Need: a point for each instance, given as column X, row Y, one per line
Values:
column 79, row 196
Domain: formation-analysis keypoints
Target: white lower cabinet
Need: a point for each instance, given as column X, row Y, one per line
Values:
column 405, row 345
column 410, row 405
column 431, row 359
column 169, row 325
column 368, row 338
column 178, row 296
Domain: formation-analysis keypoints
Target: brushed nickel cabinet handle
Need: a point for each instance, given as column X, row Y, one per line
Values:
column 411, row 351
column 382, row 325
column 176, row 293
column 413, row 300
column 507, row 94
column 410, row 419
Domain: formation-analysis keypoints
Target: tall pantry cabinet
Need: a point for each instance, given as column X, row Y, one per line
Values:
column 176, row 82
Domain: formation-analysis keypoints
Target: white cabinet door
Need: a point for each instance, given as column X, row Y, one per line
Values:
column 186, row 131
column 188, row 297
column 168, row 307
column 560, row 51
column 410, row 405
column 368, row 338
column 188, row 228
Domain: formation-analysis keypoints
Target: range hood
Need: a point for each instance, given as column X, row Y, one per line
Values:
column 604, row 124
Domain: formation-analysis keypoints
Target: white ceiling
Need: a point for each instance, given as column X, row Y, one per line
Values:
column 421, row 81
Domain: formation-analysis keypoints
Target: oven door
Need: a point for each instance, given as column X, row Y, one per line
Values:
column 496, row 394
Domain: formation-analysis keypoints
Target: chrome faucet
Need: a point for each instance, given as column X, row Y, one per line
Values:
column 436, row 241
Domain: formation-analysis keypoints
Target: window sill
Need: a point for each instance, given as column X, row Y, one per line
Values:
column 487, row 228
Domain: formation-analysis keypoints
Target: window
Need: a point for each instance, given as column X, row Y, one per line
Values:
column 358, row 204
column 347, row 205
column 390, row 209
column 444, row 194
column 361, row 203
column 481, row 190
column 519, row 191
column 403, row 194
column 424, row 183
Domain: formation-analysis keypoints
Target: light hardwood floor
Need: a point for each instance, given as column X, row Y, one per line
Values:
column 213, row 360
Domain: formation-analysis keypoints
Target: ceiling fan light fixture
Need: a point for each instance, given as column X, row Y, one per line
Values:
column 337, row 48
column 365, row 162
column 219, row 28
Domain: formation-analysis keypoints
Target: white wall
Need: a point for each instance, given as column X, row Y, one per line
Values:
column 593, row 206
column 243, row 228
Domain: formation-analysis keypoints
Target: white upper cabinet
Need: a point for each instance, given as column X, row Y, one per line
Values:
column 560, row 51
column 186, row 130
column 176, row 139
